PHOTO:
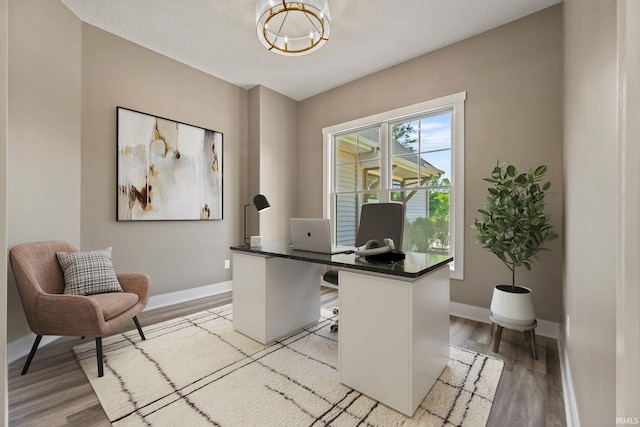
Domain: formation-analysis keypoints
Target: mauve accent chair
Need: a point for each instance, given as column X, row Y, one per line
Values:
column 40, row 282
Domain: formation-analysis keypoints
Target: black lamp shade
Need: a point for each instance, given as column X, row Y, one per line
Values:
column 261, row 202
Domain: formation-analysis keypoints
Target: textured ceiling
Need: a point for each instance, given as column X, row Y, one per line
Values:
column 219, row 36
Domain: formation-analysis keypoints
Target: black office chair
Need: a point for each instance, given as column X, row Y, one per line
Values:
column 377, row 222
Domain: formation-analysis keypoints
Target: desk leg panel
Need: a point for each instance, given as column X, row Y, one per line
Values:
column 273, row 297
column 431, row 301
column 394, row 336
column 292, row 298
column 374, row 337
column 249, row 295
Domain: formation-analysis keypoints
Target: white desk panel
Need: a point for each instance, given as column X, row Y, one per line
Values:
column 273, row 297
column 393, row 335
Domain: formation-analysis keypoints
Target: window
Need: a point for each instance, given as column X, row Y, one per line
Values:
column 413, row 156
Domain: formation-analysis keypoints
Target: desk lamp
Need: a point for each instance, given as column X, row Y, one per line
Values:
column 262, row 204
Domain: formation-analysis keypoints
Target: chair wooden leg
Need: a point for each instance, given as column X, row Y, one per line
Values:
column 135, row 320
column 32, row 353
column 99, row 356
column 497, row 335
column 532, row 343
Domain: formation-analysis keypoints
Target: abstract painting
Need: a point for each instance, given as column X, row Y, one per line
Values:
column 167, row 170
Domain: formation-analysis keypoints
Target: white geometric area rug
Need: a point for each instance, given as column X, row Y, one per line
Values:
column 197, row 371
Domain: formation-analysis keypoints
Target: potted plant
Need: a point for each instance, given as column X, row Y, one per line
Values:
column 514, row 226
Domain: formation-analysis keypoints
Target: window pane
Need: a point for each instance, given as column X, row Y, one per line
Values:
column 358, row 160
column 404, row 137
column 346, row 177
column 346, row 148
column 421, row 151
column 435, row 132
column 368, row 144
column 371, row 177
column 361, row 145
column 426, row 227
column 435, row 167
column 348, row 215
column 414, row 170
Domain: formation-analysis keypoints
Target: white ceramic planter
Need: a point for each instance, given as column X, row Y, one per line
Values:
column 515, row 308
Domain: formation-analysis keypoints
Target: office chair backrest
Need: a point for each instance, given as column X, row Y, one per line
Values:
column 381, row 220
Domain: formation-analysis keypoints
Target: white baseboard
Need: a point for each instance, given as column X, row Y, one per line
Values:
column 164, row 300
column 570, row 406
column 545, row 328
column 21, row 347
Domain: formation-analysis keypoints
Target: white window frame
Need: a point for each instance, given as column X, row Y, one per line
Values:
column 454, row 101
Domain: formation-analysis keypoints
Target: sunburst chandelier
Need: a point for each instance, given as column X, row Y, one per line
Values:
column 293, row 28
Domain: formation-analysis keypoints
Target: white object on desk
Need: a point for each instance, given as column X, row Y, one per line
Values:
column 255, row 241
column 273, row 297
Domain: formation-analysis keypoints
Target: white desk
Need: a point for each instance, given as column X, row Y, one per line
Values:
column 394, row 318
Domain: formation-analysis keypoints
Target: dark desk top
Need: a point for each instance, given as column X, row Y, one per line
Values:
column 413, row 266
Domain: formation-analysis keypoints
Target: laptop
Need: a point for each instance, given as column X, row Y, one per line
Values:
column 314, row 235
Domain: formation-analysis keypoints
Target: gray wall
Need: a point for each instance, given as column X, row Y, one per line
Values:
column 4, row 44
column 273, row 158
column 278, row 162
column 66, row 79
column 602, row 238
column 628, row 283
column 178, row 255
column 513, row 79
column 44, row 132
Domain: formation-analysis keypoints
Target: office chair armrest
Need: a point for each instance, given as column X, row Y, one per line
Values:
column 137, row 283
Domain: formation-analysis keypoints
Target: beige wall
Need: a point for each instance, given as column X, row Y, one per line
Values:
column 513, row 79
column 601, row 209
column 273, row 156
column 253, row 162
column 4, row 44
column 628, row 271
column 278, row 162
column 44, row 132
column 178, row 255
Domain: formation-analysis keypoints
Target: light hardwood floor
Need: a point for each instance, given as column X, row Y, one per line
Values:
column 55, row 391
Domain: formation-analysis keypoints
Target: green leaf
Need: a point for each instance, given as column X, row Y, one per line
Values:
column 522, row 179
column 541, row 170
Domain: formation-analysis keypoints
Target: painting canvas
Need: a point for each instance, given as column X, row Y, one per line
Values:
column 167, row 170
